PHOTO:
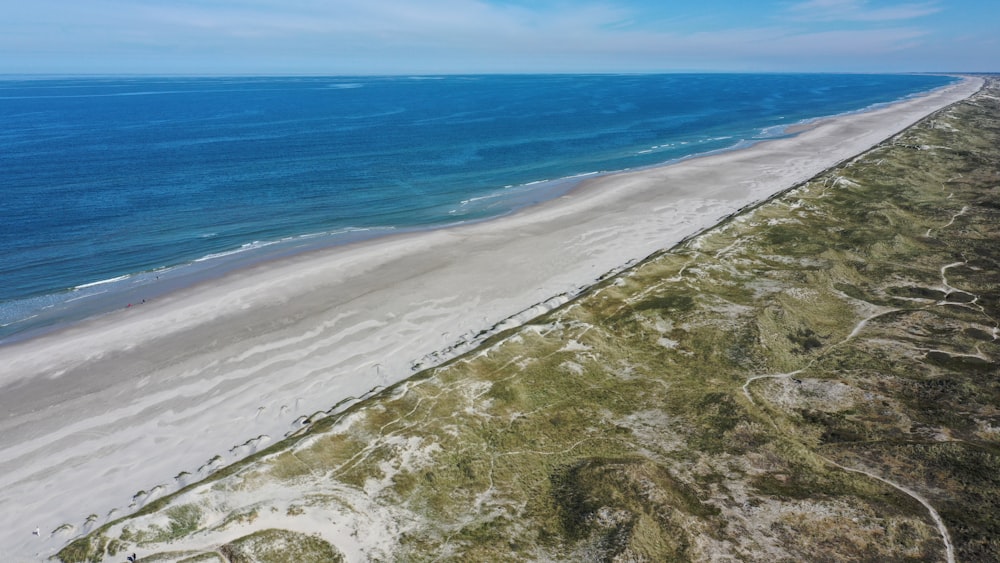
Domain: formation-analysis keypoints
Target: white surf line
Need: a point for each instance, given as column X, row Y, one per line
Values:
column 942, row 529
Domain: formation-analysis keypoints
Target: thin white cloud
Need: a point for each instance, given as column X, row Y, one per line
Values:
column 467, row 24
column 391, row 36
column 858, row 11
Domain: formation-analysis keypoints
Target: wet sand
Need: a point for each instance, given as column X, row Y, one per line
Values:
column 202, row 377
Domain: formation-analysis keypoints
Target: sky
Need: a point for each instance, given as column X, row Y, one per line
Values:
column 359, row 37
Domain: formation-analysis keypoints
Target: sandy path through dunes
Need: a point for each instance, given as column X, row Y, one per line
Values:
column 126, row 403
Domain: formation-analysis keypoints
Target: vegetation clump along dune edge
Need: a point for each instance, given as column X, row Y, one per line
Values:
column 815, row 378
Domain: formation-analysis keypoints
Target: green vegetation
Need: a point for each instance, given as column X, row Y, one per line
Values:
column 816, row 376
column 279, row 546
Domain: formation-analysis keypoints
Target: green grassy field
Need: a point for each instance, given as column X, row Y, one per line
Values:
column 814, row 379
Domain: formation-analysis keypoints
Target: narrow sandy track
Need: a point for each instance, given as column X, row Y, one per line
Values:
column 938, row 521
column 942, row 529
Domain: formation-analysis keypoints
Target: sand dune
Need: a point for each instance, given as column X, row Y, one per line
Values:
column 109, row 414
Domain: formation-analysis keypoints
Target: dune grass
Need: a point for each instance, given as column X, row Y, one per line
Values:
column 791, row 383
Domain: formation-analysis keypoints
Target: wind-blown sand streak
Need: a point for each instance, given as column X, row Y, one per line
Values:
column 131, row 400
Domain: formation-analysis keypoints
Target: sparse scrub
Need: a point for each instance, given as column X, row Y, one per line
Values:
column 280, row 546
column 870, row 373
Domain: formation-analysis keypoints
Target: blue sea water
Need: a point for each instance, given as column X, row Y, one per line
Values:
column 119, row 189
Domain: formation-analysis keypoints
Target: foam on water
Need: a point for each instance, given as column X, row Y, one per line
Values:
column 122, row 189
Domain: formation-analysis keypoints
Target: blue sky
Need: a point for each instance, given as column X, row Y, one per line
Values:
column 489, row 36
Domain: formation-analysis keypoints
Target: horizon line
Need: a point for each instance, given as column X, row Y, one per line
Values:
column 4, row 75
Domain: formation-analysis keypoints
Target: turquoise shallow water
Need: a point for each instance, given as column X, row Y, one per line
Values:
column 119, row 189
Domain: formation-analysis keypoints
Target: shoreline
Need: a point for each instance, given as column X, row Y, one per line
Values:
column 52, row 312
column 213, row 267
column 208, row 360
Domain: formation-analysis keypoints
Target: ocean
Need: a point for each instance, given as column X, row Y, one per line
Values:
column 120, row 189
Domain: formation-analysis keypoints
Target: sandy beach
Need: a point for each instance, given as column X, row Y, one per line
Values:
column 110, row 414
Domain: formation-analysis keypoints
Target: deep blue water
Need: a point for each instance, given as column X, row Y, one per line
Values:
column 118, row 189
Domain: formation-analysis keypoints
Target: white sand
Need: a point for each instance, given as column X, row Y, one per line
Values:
column 94, row 414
